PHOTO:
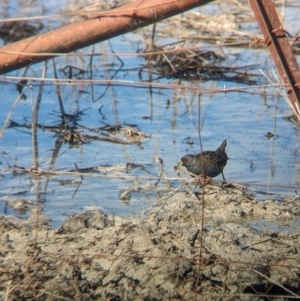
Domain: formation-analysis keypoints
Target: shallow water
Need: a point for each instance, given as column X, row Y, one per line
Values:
column 269, row 165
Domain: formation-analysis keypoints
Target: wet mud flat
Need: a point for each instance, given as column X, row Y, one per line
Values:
column 175, row 250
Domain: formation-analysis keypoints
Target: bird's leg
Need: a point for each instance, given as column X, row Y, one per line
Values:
column 223, row 176
column 203, row 180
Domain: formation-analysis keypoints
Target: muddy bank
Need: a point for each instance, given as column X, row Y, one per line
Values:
column 245, row 251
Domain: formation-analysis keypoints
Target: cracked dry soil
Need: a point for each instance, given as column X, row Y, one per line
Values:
column 161, row 254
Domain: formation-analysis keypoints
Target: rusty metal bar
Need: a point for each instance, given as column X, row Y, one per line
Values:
column 279, row 47
column 97, row 28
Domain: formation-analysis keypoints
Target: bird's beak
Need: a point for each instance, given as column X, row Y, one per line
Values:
column 179, row 163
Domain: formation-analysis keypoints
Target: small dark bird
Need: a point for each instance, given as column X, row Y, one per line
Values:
column 210, row 163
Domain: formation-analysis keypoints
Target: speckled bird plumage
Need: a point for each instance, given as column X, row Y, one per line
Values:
column 210, row 163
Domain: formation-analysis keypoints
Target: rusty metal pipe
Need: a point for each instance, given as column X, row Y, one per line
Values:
column 95, row 29
column 278, row 44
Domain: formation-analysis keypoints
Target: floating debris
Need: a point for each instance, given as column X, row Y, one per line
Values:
column 269, row 135
column 185, row 63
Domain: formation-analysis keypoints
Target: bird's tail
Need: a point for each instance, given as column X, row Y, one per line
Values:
column 222, row 147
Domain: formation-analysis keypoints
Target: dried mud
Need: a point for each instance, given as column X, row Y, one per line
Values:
column 171, row 251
